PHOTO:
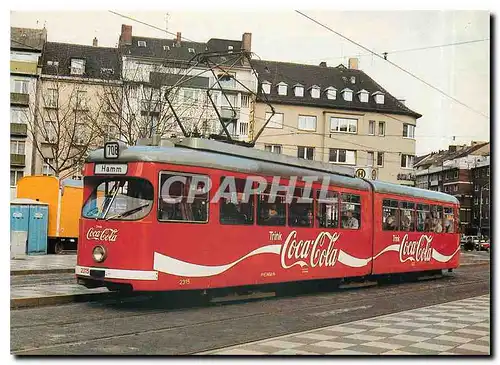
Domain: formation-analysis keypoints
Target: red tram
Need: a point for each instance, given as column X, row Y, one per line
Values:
column 139, row 230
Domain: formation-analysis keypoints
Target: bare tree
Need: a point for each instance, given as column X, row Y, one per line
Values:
column 152, row 97
column 64, row 123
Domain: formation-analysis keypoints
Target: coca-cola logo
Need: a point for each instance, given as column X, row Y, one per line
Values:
column 100, row 234
column 416, row 250
column 318, row 252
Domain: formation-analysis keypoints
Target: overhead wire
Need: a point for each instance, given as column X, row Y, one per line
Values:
column 393, row 64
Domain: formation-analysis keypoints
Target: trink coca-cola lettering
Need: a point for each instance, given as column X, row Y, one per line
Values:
column 418, row 250
column 318, row 252
column 99, row 234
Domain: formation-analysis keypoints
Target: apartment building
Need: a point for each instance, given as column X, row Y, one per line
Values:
column 450, row 171
column 72, row 115
column 338, row 115
column 156, row 67
column 26, row 46
column 480, row 175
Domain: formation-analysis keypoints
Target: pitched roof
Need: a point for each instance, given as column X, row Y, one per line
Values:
column 154, row 48
column 96, row 59
column 338, row 77
column 27, row 39
column 437, row 158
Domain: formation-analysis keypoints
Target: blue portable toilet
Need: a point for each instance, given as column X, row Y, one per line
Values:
column 32, row 217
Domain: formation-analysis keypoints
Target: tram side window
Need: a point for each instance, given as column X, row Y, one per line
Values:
column 448, row 220
column 437, row 218
column 390, row 215
column 351, row 211
column 271, row 213
column 423, row 218
column 300, row 210
column 176, row 204
column 407, row 214
column 328, row 209
column 238, row 209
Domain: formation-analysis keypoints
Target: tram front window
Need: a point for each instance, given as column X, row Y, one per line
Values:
column 118, row 199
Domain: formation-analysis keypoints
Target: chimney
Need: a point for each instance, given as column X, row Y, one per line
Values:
column 353, row 63
column 452, row 148
column 126, row 35
column 246, row 42
column 322, row 64
column 178, row 39
column 94, row 42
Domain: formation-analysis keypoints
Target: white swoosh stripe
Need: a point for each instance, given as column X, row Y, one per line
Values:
column 172, row 266
column 352, row 261
column 388, row 248
column 442, row 258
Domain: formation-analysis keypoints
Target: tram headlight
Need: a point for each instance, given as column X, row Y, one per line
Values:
column 99, row 254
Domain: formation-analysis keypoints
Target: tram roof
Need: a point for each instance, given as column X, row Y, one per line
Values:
column 389, row 188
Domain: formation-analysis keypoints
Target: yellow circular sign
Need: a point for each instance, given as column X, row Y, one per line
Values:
column 361, row 173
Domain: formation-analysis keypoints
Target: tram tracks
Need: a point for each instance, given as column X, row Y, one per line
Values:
column 285, row 307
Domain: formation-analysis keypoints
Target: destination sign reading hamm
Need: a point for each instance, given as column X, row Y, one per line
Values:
column 110, row 169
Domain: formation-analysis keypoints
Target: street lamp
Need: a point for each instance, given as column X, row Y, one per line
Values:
column 484, row 187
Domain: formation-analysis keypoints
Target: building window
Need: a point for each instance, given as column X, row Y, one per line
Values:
column 407, row 161
column 380, row 158
column 191, row 50
column 476, row 187
column 299, row 90
column 408, row 131
column 363, row 96
column 342, row 156
column 245, row 101
column 141, row 43
column 166, row 48
column 476, row 173
column 266, row 87
column 229, row 48
column 47, row 170
column 381, row 128
column 488, row 171
column 370, row 160
column 77, row 66
column 305, row 152
column 276, row 121
column 81, row 99
column 50, row 132
column 307, row 123
column 456, row 174
column 315, row 92
column 274, row 148
column 343, row 125
column 371, row 127
column 20, row 86
column 379, row 98
column 229, row 100
column 188, row 96
column 243, row 129
column 52, row 96
column 15, row 176
column 17, row 147
column 347, row 93
column 282, row 88
column 487, row 200
column 456, row 187
column 18, row 115
column 331, row 93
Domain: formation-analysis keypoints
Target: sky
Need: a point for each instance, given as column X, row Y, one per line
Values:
column 461, row 71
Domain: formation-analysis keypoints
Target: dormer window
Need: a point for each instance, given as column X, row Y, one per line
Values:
column 331, row 93
column 141, row 43
column 353, row 79
column 77, row 66
column 229, row 49
column 347, row 94
column 282, row 88
column 191, row 50
column 315, row 91
column 53, row 63
column 379, row 97
column 266, row 87
column 298, row 90
column 363, row 96
column 166, row 48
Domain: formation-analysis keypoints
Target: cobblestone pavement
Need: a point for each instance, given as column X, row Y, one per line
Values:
column 44, row 262
column 455, row 328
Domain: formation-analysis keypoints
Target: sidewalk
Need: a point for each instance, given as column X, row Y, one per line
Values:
column 455, row 328
column 43, row 264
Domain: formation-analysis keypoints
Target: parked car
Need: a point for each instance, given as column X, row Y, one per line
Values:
column 483, row 244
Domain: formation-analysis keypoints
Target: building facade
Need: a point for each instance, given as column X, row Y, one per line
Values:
column 72, row 116
column 26, row 46
column 156, row 67
column 451, row 172
column 480, row 175
column 337, row 115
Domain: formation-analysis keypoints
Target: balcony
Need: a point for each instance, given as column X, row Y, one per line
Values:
column 19, row 129
column 227, row 112
column 17, row 160
column 233, row 85
column 19, row 99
